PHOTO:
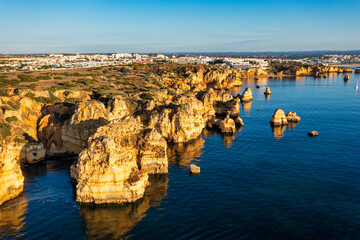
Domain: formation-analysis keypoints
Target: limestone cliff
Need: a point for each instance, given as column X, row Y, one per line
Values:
column 11, row 178
column 107, row 170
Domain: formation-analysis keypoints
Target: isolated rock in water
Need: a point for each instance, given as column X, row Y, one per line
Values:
column 227, row 125
column 247, row 95
column 107, row 169
column 347, row 77
column 258, row 86
column 278, row 118
column 267, row 91
column 34, row 152
column 313, row 133
column 11, row 178
column 292, row 117
column 194, row 169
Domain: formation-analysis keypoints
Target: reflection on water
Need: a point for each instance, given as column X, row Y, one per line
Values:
column 12, row 217
column 226, row 137
column 246, row 106
column 181, row 154
column 267, row 97
column 115, row 221
column 278, row 131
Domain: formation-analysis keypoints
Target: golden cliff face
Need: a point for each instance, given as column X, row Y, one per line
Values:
column 88, row 116
column 11, row 178
column 107, row 170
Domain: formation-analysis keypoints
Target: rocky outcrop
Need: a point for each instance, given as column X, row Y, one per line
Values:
column 292, row 117
column 278, row 118
column 194, row 169
column 179, row 124
column 117, row 108
column 313, row 133
column 34, row 152
column 112, row 168
column 11, row 178
column 247, row 95
column 227, row 125
column 152, row 155
column 88, row 116
column 267, row 91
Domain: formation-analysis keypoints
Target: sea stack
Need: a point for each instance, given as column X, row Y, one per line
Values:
column 267, row 91
column 278, row 118
column 346, row 78
column 292, row 117
column 227, row 125
column 247, row 95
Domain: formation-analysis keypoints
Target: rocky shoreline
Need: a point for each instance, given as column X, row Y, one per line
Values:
column 119, row 139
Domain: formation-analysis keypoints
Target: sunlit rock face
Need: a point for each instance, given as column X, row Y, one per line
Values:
column 292, row 117
column 112, row 168
column 11, row 178
column 88, row 116
column 117, row 108
column 152, row 156
column 34, row 152
column 278, row 118
column 179, row 124
column 247, row 95
column 113, row 222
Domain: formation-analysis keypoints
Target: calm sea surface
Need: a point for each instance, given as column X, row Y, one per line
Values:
column 263, row 183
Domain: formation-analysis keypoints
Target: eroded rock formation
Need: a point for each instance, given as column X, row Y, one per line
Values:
column 278, row 118
column 109, row 169
column 247, row 95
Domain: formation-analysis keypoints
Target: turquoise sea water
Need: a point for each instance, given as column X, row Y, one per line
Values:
column 263, row 183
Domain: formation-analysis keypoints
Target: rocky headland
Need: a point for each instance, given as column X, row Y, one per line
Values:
column 119, row 138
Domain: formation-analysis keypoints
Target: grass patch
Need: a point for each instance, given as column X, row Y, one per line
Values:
column 12, row 119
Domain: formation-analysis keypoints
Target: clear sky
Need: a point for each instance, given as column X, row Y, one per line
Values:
column 44, row 26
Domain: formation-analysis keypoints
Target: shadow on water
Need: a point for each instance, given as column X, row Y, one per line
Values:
column 115, row 221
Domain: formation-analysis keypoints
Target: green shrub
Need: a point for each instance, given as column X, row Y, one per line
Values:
column 5, row 130
column 11, row 119
column 14, row 105
column 19, row 140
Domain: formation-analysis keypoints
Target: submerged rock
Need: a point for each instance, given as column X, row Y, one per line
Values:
column 194, row 169
column 278, row 118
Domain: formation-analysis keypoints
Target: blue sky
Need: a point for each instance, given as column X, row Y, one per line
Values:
column 39, row 26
